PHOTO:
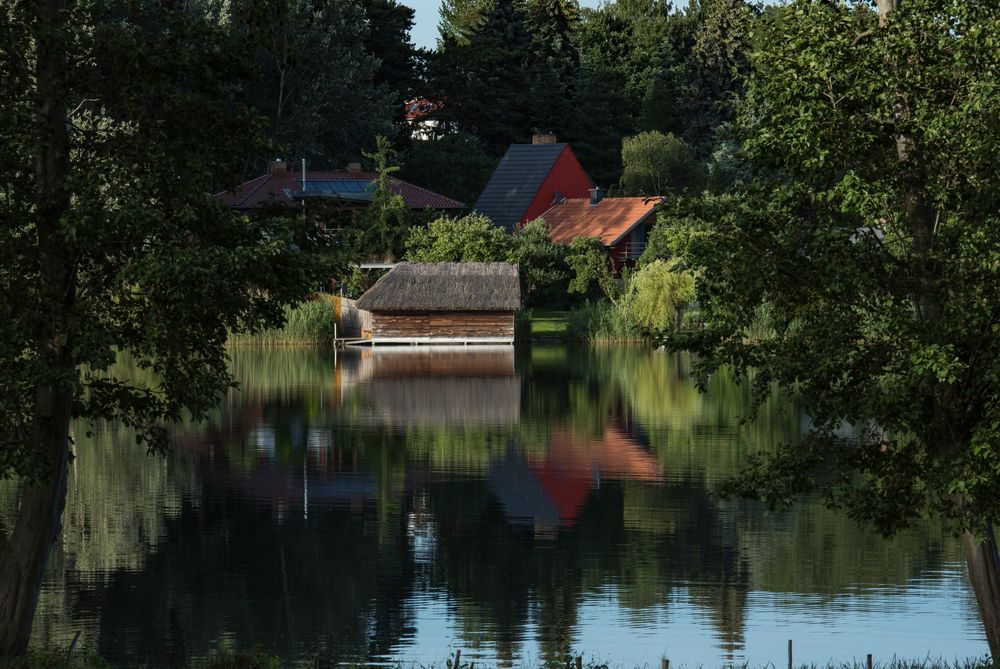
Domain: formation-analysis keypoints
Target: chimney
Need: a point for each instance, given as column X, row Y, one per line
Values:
column 354, row 168
column 596, row 195
column 276, row 166
column 543, row 138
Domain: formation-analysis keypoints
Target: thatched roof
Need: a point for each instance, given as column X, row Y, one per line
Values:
column 446, row 286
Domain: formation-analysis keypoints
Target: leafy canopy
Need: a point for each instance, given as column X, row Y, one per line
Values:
column 471, row 238
column 140, row 258
column 657, row 294
column 877, row 251
column 655, row 163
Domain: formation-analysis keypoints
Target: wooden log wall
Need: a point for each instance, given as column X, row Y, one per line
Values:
column 450, row 324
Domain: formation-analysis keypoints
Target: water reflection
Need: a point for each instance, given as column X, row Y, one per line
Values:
column 398, row 504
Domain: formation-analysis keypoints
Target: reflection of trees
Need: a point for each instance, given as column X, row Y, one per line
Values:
column 230, row 570
column 214, row 544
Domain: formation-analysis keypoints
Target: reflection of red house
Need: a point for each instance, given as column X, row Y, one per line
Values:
column 613, row 455
column 621, row 223
column 551, row 490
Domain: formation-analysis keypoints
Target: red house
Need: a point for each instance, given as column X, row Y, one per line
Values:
column 622, row 223
column 529, row 178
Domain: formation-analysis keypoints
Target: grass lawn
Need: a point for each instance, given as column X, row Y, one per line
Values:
column 548, row 323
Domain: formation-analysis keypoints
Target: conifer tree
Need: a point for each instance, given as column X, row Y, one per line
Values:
column 485, row 81
column 460, row 19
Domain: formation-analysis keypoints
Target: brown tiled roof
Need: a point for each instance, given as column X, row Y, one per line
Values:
column 283, row 187
column 610, row 219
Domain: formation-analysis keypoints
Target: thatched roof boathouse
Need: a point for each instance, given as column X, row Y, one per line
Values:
column 444, row 303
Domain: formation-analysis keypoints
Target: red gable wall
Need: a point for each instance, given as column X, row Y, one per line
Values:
column 566, row 176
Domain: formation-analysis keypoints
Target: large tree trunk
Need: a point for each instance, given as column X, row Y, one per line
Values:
column 984, row 573
column 39, row 515
column 38, row 519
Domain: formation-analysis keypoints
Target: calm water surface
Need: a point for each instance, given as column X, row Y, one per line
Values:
column 397, row 505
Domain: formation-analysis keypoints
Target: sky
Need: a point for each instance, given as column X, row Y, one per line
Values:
column 425, row 32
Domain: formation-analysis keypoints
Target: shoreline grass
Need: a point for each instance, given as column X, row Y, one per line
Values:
column 259, row 658
column 312, row 322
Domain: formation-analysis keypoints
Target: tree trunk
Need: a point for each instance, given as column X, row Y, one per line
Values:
column 984, row 573
column 26, row 553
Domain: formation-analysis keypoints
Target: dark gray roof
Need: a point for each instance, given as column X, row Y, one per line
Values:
column 516, row 181
column 446, row 286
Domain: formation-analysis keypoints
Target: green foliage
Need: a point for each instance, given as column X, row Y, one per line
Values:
column 247, row 659
column 657, row 295
column 460, row 19
column 680, row 223
column 542, row 264
column 384, row 224
column 592, row 267
column 602, row 121
column 657, row 164
column 876, row 249
column 601, row 321
column 716, row 69
column 555, row 62
column 359, row 280
column 471, row 238
column 313, row 65
column 456, row 165
column 388, row 40
column 148, row 262
column 485, row 79
column 547, row 323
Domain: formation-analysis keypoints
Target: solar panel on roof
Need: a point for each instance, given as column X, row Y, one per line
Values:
column 338, row 186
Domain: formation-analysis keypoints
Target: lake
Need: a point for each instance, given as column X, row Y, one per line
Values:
column 395, row 505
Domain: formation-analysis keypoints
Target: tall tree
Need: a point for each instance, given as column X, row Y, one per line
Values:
column 315, row 65
column 553, row 25
column 484, row 81
column 455, row 165
column 388, row 40
column 657, row 164
column 119, row 116
column 876, row 251
column 460, row 19
column 716, row 69
column 602, row 120
column 555, row 62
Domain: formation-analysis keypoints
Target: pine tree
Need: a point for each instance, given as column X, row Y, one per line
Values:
column 485, row 82
column 460, row 19
column 553, row 24
column 602, row 119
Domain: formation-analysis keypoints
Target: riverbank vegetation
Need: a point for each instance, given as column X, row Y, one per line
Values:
column 260, row 659
column 312, row 321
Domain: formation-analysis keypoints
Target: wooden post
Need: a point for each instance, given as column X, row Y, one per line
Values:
column 458, row 657
column 579, row 662
column 869, row 661
column 665, row 663
column 789, row 654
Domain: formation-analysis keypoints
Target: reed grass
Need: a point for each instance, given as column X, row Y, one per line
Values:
column 601, row 322
column 311, row 322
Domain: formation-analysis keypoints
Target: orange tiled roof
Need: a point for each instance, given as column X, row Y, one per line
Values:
column 610, row 219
